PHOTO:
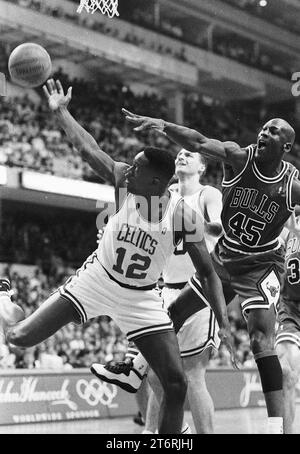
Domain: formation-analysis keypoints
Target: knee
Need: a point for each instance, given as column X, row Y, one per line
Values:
column 19, row 337
column 176, row 388
column 260, row 341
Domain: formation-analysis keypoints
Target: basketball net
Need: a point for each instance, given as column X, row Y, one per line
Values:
column 109, row 7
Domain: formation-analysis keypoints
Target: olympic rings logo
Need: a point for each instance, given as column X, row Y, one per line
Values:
column 95, row 392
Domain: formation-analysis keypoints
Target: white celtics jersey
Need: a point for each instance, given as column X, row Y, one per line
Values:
column 134, row 251
column 179, row 267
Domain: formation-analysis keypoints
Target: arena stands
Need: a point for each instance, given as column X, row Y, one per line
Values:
column 30, row 138
column 230, row 46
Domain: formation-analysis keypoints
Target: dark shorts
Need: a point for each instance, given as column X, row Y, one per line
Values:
column 288, row 322
column 256, row 279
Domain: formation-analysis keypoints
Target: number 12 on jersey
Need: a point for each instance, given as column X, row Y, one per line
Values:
column 135, row 270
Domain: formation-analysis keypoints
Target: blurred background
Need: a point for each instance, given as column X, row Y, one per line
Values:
column 222, row 67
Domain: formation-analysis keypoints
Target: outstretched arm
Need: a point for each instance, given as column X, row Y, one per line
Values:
column 100, row 162
column 190, row 139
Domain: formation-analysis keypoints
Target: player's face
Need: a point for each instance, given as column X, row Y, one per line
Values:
column 188, row 163
column 139, row 177
column 270, row 141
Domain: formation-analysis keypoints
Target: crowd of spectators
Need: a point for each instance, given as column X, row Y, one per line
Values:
column 48, row 239
column 227, row 45
column 30, row 136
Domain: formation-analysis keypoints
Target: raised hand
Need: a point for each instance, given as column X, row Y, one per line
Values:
column 142, row 123
column 55, row 95
column 227, row 339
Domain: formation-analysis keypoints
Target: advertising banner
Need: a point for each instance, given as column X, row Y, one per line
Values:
column 28, row 396
column 235, row 389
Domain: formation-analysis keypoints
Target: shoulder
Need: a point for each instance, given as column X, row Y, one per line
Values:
column 173, row 187
column 209, row 192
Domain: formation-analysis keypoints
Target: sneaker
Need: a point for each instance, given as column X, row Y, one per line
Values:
column 10, row 313
column 138, row 419
column 122, row 374
column 4, row 286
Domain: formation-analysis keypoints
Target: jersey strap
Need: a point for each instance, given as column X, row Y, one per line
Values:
column 234, row 180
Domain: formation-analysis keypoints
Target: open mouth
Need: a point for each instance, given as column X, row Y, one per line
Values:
column 261, row 144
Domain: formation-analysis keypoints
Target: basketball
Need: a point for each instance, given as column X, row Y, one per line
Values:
column 29, row 65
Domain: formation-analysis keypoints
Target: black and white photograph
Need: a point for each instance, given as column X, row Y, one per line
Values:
column 150, row 219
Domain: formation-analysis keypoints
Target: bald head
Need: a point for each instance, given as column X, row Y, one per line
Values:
column 286, row 129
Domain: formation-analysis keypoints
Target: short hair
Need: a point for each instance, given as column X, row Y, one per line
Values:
column 161, row 160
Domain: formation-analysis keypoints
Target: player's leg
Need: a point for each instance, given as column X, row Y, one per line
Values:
column 289, row 357
column 142, row 396
column 261, row 328
column 184, row 306
column 161, row 349
column 191, row 300
column 154, row 402
column 52, row 315
column 257, row 282
column 200, row 401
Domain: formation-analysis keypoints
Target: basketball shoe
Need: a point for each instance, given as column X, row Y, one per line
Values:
column 10, row 313
column 122, row 374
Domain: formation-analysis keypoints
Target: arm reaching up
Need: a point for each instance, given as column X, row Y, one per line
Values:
column 100, row 161
column 192, row 140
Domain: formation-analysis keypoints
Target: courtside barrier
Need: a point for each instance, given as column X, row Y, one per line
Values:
column 31, row 396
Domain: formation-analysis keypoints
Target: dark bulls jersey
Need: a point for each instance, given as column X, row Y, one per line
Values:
column 291, row 289
column 255, row 207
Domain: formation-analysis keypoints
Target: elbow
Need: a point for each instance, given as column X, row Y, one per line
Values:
column 214, row 228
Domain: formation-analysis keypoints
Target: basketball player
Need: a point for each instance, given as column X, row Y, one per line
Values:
column 119, row 278
column 288, row 332
column 198, row 335
column 260, row 191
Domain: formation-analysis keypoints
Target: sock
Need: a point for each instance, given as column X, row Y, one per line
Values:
column 275, row 425
column 270, row 372
column 140, row 364
column 10, row 312
column 132, row 351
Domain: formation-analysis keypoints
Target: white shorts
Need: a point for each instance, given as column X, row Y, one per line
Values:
column 198, row 332
column 93, row 293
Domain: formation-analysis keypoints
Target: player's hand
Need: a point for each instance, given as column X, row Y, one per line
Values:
column 226, row 337
column 142, row 123
column 55, row 95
